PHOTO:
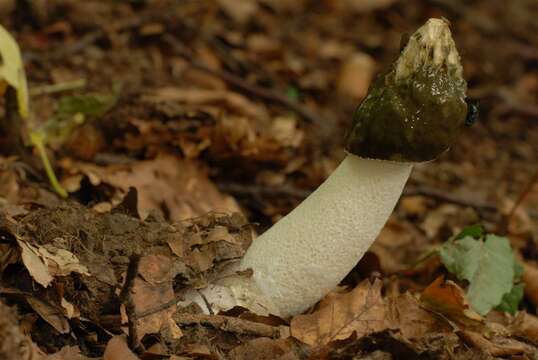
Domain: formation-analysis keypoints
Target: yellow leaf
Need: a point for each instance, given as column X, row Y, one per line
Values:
column 12, row 69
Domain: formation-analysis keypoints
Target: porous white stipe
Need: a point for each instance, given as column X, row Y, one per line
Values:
column 308, row 252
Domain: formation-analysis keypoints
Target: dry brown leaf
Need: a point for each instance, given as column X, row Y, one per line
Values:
column 219, row 233
column 181, row 187
column 50, row 314
column 117, row 349
column 286, row 131
column 155, row 269
column 526, row 326
column 361, row 311
column 35, row 264
column 70, row 311
column 497, row 346
column 200, row 351
column 356, row 75
column 239, row 11
column 414, row 205
column 60, row 261
column 449, row 299
column 67, row 353
column 45, row 262
column 263, row 349
column 148, row 295
column 231, row 100
column 412, row 320
column 14, row 345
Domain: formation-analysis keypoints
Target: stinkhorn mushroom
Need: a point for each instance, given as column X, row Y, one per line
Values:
column 412, row 113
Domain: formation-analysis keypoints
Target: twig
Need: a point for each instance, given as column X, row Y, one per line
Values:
column 526, row 190
column 443, row 196
column 233, row 80
column 227, row 323
column 59, row 87
column 258, row 191
column 126, row 299
column 291, row 191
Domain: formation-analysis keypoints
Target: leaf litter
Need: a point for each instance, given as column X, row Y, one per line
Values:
column 188, row 138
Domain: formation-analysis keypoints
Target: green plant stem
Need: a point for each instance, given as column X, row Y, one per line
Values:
column 37, row 140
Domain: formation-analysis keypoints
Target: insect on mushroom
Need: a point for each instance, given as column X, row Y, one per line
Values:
column 413, row 112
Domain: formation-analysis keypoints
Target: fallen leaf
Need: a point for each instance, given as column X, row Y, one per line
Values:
column 60, row 261
column 148, row 295
column 526, row 326
column 35, row 265
column 50, row 314
column 232, row 100
column 14, row 345
column 117, row 349
column 180, row 187
column 68, row 353
column 412, row 320
column 239, row 11
column 449, row 299
column 70, row 311
column 361, row 311
column 263, row 349
column 487, row 265
column 497, row 346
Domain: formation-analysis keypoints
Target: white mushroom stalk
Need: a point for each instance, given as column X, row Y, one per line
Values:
column 411, row 114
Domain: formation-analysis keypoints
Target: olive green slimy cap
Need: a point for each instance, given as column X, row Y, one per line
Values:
column 413, row 112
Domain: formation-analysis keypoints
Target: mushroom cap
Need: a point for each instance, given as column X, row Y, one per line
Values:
column 413, row 111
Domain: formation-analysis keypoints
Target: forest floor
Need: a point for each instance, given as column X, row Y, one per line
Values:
column 181, row 129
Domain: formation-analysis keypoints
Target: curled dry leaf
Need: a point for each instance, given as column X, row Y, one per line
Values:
column 45, row 262
column 361, row 311
column 50, row 314
column 449, row 299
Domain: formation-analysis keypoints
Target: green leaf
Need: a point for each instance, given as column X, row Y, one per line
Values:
column 292, row 93
column 475, row 231
column 511, row 300
column 88, row 105
column 487, row 265
column 518, row 271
